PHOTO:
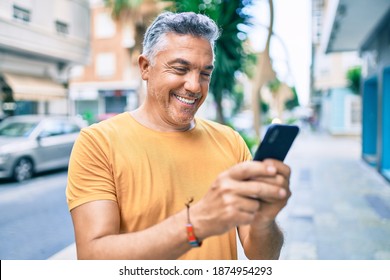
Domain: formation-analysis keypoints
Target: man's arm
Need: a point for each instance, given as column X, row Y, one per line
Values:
column 262, row 243
column 97, row 235
column 232, row 200
column 263, row 239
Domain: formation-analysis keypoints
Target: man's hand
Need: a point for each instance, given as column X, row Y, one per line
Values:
column 271, row 206
column 249, row 193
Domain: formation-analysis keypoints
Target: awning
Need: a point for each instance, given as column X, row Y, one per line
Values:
column 34, row 88
column 350, row 23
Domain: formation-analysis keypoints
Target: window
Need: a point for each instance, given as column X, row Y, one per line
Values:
column 128, row 36
column 22, row 14
column 356, row 114
column 51, row 128
column 68, row 128
column 17, row 129
column 57, row 127
column 105, row 64
column 62, row 27
column 76, row 71
column 104, row 26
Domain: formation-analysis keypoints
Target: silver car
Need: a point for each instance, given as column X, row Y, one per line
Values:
column 33, row 143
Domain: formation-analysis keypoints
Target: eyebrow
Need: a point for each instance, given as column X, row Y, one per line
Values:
column 187, row 63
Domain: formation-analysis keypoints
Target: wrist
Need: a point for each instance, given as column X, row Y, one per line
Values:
column 264, row 227
column 192, row 238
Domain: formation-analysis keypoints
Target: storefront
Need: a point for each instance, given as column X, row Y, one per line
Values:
column 26, row 94
column 348, row 30
column 376, row 98
column 97, row 101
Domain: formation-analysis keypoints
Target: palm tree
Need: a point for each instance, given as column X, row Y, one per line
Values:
column 138, row 12
column 230, row 52
column 263, row 74
column 228, row 14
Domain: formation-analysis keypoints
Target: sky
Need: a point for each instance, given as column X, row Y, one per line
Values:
column 291, row 47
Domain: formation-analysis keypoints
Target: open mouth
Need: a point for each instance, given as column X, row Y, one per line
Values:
column 185, row 100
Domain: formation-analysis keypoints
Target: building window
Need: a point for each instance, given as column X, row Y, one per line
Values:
column 104, row 26
column 356, row 114
column 62, row 27
column 22, row 14
column 105, row 65
column 76, row 72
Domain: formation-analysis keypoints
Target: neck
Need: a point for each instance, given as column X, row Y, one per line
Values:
column 148, row 120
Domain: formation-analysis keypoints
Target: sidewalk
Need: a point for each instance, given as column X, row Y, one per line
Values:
column 340, row 206
column 68, row 253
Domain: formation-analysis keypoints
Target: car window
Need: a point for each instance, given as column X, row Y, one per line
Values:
column 17, row 129
column 55, row 128
column 70, row 128
column 51, row 128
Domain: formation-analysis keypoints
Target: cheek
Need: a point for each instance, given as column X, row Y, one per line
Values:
column 205, row 89
column 162, row 84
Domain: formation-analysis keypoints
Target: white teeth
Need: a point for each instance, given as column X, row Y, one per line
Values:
column 185, row 100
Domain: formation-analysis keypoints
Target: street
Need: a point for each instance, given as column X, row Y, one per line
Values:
column 34, row 220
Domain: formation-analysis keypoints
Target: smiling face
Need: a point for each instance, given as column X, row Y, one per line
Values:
column 177, row 82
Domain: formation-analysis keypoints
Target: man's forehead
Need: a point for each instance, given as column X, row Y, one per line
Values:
column 185, row 62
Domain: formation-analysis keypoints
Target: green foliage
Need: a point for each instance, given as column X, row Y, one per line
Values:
column 250, row 62
column 293, row 102
column 250, row 141
column 89, row 117
column 291, row 120
column 118, row 6
column 274, row 85
column 238, row 98
column 264, row 107
column 353, row 76
column 230, row 53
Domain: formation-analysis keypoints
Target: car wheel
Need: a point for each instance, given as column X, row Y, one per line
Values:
column 23, row 170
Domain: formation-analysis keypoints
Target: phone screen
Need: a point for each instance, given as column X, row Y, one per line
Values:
column 276, row 142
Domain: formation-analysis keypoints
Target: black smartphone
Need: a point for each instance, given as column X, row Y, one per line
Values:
column 277, row 142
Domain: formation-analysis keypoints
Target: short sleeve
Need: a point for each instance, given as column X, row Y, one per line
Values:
column 90, row 171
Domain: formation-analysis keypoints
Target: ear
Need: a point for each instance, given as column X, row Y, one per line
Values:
column 144, row 68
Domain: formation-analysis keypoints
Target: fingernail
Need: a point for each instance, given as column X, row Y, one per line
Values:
column 271, row 169
column 282, row 193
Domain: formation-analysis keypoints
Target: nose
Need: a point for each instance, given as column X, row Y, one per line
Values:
column 192, row 83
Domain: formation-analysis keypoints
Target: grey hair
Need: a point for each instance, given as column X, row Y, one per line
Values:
column 187, row 23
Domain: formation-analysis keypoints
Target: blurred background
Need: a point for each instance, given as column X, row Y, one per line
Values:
column 323, row 65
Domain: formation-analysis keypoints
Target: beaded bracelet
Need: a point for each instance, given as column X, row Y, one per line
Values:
column 191, row 238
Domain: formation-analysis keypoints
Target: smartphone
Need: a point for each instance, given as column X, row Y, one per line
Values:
column 277, row 142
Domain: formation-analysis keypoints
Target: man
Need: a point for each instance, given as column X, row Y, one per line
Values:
column 158, row 183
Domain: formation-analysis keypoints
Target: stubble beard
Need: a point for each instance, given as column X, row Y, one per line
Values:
column 181, row 116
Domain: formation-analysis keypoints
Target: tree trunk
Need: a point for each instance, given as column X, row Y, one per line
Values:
column 263, row 74
column 220, row 116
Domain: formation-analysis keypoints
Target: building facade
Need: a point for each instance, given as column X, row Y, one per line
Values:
column 337, row 107
column 364, row 26
column 376, row 97
column 39, row 41
column 111, row 82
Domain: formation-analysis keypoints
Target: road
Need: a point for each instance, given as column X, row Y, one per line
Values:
column 34, row 220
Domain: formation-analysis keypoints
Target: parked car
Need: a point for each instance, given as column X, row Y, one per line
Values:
column 34, row 143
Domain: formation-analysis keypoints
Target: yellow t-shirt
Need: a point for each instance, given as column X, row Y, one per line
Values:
column 151, row 174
